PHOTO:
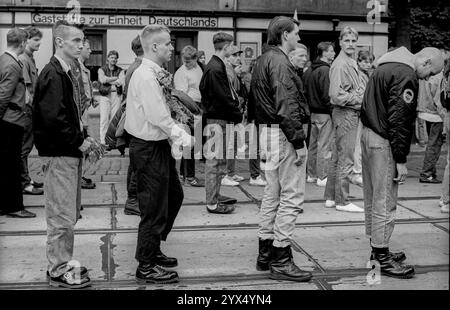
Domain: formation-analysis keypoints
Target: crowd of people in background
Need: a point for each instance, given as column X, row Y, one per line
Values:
column 337, row 119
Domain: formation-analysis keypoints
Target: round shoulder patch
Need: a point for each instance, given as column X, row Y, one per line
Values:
column 408, row 95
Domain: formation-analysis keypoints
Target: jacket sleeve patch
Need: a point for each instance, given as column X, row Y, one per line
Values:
column 408, row 95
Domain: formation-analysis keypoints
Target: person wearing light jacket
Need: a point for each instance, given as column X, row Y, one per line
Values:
column 388, row 113
column 346, row 93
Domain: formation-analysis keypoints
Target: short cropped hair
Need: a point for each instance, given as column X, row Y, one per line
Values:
column 136, row 46
column 150, row 30
column 189, row 52
column 348, row 30
column 323, row 47
column 33, row 32
column 365, row 55
column 278, row 26
column 301, row 46
column 221, row 39
column 15, row 37
column 104, row 90
column 113, row 52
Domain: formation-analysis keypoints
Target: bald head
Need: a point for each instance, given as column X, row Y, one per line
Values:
column 429, row 61
column 156, row 43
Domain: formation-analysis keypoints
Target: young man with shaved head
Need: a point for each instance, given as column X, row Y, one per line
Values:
column 59, row 139
column 388, row 113
column 152, row 131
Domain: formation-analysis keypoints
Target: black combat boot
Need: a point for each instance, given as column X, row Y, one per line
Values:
column 152, row 273
column 399, row 257
column 282, row 266
column 391, row 268
column 263, row 260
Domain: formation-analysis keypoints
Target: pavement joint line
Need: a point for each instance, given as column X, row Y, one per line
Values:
column 414, row 211
column 194, row 204
column 194, row 228
column 441, row 228
column 296, row 246
column 331, row 274
column 250, row 196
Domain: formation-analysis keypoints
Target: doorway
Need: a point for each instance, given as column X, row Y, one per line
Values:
column 180, row 39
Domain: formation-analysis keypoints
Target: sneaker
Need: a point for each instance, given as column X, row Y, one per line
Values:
column 85, row 184
column 357, row 180
column 258, row 181
column 444, row 208
column 194, row 182
column 430, row 180
column 23, row 214
column 311, row 179
column 350, row 208
column 221, row 209
column 330, row 204
column 228, row 181
column 322, row 183
column 31, row 190
column 70, row 280
column 237, row 178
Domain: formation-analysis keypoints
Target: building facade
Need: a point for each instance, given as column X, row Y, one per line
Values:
column 112, row 24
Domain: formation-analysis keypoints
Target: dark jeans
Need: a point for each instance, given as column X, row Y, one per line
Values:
column 131, row 183
column 433, row 151
column 187, row 167
column 10, row 150
column 159, row 193
column 27, row 146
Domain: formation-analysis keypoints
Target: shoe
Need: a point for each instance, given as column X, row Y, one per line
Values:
column 330, row 204
column 399, row 257
column 264, row 256
column 85, row 184
column 444, row 208
column 228, row 181
column 357, row 180
column 132, row 207
column 322, row 183
column 221, row 209
column 430, row 180
column 70, row 280
column 37, row 184
column 164, row 261
column 83, row 273
column 350, row 208
column 237, row 178
column 226, row 200
column 31, row 190
column 282, row 266
column 194, row 182
column 300, row 211
column 389, row 267
column 23, row 214
column 258, row 181
column 155, row 274
column 311, row 179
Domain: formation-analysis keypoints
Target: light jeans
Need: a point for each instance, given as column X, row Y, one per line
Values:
column 380, row 190
column 345, row 122
column 284, row 193
column 320, row 145
column 357, row 168
column 107, row 112
column 62, row 193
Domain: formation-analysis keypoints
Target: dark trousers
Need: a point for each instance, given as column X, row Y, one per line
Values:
column 433, row 150
column 27, row 146
column 131, row 183
column 159, row 193
column 187, row 167
column 10, row 150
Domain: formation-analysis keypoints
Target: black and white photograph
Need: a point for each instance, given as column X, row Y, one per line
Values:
column 222, row 151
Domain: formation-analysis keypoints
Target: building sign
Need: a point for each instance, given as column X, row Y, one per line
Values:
column 130, row 20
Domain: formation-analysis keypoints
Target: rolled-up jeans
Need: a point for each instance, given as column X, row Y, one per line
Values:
column 320, row 145
column 345, row 122
column 216, row 163
column 62, row 194
column 380, row 190
column 285, row 190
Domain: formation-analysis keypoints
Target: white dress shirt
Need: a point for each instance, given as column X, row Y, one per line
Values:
column 147, row 114
column 188, row 81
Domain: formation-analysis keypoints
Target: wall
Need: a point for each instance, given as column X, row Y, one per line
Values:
column 120, row 40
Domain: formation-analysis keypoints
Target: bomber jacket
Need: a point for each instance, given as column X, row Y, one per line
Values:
column 56, row 119
column 317, row 88
column 390, row 102
column 218, row 100
column 277, row 96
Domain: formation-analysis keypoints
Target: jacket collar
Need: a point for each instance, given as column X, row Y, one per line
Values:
column 14, row 56
column 57, row 64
